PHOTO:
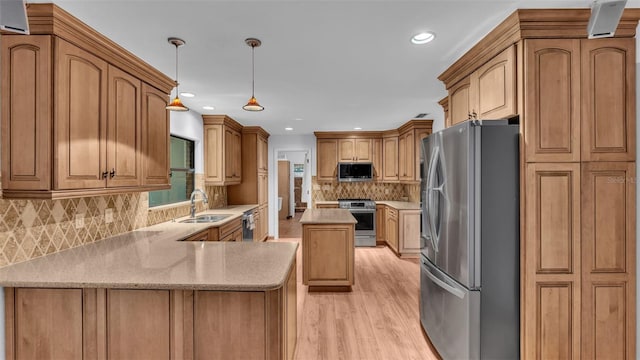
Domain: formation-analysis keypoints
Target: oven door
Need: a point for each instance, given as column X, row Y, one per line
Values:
column 365, row 227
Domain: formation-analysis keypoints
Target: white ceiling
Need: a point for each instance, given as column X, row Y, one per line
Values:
column 334, row 64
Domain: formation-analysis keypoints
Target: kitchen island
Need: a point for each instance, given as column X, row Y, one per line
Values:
column 144, row 294
column 328, row 249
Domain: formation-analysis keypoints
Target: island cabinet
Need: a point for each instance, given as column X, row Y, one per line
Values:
column 254, row 188
column 98, row 323
column 222, row 150
column 577, row 108
column 75, row 113
column 328, row 249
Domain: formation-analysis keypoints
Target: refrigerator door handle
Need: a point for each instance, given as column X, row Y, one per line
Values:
column 431, row 178
column 450, row 288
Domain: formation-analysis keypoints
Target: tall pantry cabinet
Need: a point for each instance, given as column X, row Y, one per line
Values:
column 576, row 102
column 80, row 115
column 254, row 188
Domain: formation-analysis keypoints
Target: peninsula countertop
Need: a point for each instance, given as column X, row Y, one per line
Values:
column 327, row 216
column 153, row 258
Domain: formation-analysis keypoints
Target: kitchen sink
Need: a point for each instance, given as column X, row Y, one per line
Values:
column 206, row 218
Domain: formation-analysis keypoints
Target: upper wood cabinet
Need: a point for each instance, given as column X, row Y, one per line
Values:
column 156, row 141
column 222, row 150
column 406, row 156
column 493, row 87
column 377, row 159
column 263, row 153
column 327, row 159
column 73, row 113
column 488, row 93
column 355, row 150
column 552, row 101
column 608, row 99
column 390, row 159
column 255, row 177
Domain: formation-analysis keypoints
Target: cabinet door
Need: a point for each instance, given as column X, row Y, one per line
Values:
column 213, row 154
column 552, row 100
column 390, row 164
column 346, row 150
column 377, row 159
column 421, row 134
column 263, row 188
column 81, row 118
column 155, row 137
column 608, row 99
column 459, row 105
column 263, row 154
column 26, row 112
column 380, row 222
column 327, row 159
column 364, row 150
column 551, row 262
column 233, row 151
column 608, row 260
column 264, row 216
column 123, row 129
column 391, row 228
column 407, row 157
column 409, row 232
column 493, row 94
column 257, row 225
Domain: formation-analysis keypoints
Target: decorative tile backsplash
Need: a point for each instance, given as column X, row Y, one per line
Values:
column 329, row 191
column 33, row 228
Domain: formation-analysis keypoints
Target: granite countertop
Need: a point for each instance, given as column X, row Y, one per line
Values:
column 151, row 258
column 327, row 216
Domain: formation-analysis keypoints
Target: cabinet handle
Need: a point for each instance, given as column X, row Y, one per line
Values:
column 104, row 174
column 112, row 173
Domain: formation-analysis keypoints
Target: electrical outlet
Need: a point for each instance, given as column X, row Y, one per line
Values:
column 108, row 215
column 79, row 221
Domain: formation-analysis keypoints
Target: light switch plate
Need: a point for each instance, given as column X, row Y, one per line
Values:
column 79, row 221
column 108, row 215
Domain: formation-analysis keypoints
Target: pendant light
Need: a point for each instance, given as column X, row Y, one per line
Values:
column 176, row 103
column 253, row 105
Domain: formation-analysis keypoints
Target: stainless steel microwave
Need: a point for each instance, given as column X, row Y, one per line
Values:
column 355, row 172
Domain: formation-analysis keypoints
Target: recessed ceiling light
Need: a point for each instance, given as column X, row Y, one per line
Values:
column 422, row 38
column 289, row 128
column 208, row 107
column 188, row 94
column 298, row 119
column 357, row 128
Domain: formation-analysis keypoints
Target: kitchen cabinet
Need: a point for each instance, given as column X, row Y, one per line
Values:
column 390, row 159
column 578, row 255
column 156, row 141
column 409, row 233
column 201, row 236
column 355, row 150
column 410, row 150
column 222, row 150
column 380, row 223
column 406, row 156
column 391, row 228
column 377, row 159
column 444, row 102
column 487, row 93
column 608, row 99
column 254, row 188
column 327, row 159
column 73, row 113
column 327, row 206
column 45, row 323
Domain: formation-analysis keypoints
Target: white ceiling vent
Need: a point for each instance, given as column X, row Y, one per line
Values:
column 605, row 15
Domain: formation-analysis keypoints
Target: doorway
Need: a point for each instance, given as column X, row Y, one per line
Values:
column 293, row 179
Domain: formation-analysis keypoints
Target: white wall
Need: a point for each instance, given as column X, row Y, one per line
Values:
column 188, row 125
column 637, row 202
column 283, row 143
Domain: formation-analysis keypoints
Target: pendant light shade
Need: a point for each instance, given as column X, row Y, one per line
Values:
column 176, row 103
column 253, row 104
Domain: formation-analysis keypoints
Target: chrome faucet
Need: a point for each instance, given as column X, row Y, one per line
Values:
column 205, row 199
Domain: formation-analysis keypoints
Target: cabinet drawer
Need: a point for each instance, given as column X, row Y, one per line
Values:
column 201, row 236
column 230, row 227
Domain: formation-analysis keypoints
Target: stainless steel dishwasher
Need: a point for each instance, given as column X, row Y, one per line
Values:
column 247, row 226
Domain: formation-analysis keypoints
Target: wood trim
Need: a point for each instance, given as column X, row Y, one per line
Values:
column 255, row 130
column 69, row 194
column 347, row 134
column 50, row 19
column 222, row 120
column 415, row 124
column 181, row 324
column 94, row 325
column 529, row 24
column 9, row 323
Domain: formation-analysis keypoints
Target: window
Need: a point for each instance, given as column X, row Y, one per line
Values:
column 182, row 174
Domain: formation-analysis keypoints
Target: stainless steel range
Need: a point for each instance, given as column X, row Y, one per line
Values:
column 364, row 210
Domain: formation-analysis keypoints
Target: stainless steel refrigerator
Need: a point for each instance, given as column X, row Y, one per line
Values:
column 469, row 281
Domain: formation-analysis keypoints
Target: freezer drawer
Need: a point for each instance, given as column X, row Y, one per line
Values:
column 449, row 313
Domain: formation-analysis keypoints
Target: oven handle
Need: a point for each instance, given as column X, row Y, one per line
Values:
column 372, row 211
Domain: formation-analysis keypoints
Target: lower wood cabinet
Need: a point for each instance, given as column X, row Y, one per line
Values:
column 151, row 324
column 328, row 254
column 380, row 223
column 391, row 228
column 409, row 233
column 327, row 206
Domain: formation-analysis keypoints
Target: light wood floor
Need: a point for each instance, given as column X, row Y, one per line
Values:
column 290, row 228
column 379, row 319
